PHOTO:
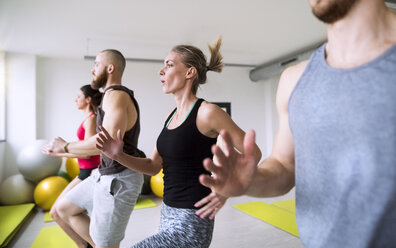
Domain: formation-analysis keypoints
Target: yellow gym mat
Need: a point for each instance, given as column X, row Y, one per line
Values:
column 280, row 217
column 47, row 217
column 12, row 218
column 289, row 205
column 53, row 237
column 144, row 203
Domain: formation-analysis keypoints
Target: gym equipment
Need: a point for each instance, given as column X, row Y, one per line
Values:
column 34, row 165
column 289, row 205
column 64, row 174
column 279, row 217
column 48, row 190
column 157, row 184
column 144, row 203
column 47, row 217
column 16, row 190
column 53, row 236
column 72, row 167
column 12, row 218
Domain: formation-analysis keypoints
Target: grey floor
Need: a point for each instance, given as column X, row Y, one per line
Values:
column 232, row 227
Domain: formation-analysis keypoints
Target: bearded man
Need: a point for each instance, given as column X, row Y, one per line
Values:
column 110, row 193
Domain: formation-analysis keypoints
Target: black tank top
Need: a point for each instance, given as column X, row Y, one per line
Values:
column 107, row 165
column 182, row 150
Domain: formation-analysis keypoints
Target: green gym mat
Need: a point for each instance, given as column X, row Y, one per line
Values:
column 12, row 218
column 53, row 237
column 272, row 214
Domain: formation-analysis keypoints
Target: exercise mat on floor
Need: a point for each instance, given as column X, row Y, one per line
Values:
column 289, row 205
column 47, row 217
column 53, row 237
column 12, row 218
column 274, row 215
column 144, row 203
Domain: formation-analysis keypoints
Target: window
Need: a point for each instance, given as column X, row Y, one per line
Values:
column 2, row 97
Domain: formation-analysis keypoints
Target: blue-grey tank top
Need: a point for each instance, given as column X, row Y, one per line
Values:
column 343, row 123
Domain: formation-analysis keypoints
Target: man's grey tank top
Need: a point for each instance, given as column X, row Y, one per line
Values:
column 343, row 123
column 108, row 166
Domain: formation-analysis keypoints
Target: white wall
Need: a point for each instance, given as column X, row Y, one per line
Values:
column 252, row 104
column 20, row 107
column 2, row 160
column 58, row 81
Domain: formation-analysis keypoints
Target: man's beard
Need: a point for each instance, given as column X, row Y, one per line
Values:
column 100, row 81
column 331, row 11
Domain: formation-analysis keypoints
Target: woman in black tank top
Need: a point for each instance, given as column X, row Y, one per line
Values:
column 189, row 132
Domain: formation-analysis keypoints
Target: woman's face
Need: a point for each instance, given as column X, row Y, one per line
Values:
column 81, row 101
column 173, row 73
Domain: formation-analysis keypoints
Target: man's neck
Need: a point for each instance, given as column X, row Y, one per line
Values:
column 367, row 31
column 111, row 83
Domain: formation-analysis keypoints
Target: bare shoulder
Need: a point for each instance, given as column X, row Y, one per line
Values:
column 90, row 123
column 114, row 98
column 208, row 110
column 90, row 120
column 292, row 74
column 211, row 119
column 116, row 95
column 287, row 82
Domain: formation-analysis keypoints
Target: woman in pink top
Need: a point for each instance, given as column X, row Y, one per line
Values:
column 87, row 100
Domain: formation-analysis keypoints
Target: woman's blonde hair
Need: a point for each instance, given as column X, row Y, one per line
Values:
column 192, row 56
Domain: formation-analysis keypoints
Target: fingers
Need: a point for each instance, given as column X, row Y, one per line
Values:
column 228, row 144
column 249, row 143
column 215, row 211
column 202, row 201
column 213, row 204
column 207, row 181
column 209, row 208
column 104, row 131
column 209, row 165
column 119, row 136
column 99, row 147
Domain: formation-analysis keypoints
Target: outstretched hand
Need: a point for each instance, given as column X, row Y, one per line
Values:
column 112, row 148
column 234, row 172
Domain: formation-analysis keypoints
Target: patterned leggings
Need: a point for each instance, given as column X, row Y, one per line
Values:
column 180, row 227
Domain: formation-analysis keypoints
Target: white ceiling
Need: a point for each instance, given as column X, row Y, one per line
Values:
column 253, row 31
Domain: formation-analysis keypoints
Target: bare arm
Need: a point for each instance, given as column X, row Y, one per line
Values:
column 237, row 174
column 211, row 120
column 113, row 148
column 114, row 103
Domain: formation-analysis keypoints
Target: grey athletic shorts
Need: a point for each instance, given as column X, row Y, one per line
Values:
column 109, row 201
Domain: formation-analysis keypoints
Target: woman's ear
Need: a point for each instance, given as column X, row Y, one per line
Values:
column 191, row 72
column 88, row 99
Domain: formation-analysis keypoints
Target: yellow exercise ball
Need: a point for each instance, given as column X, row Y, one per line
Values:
column 72, row 168
column 48, row 190
column 157, row 184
